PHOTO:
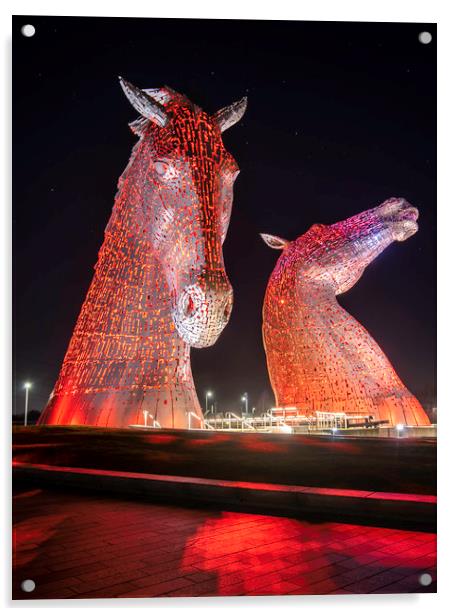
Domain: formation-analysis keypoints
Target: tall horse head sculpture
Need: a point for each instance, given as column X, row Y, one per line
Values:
column 319, row 357
column 160, row 284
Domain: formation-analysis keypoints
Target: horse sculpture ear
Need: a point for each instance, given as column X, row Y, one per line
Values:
column 144, row 104
column 228, row 116
column 273, row 241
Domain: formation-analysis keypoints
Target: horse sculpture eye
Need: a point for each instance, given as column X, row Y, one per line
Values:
column 161, row 168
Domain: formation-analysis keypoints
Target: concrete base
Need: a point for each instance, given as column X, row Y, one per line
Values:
column 401, row 465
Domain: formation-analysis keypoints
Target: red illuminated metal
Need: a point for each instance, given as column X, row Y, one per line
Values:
column 160, row 285
column 319, row 357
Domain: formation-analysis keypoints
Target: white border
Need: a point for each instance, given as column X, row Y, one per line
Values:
column 347, row 10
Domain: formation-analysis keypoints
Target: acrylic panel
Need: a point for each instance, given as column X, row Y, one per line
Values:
column 195, row 414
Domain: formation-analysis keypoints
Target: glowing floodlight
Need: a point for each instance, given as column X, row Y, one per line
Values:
column 27, row 387
column 208, row 395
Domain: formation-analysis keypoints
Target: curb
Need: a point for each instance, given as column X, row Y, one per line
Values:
column 415, row 511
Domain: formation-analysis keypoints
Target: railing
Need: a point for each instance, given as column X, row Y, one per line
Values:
column 190, row 415
column 243, row 421
column 264, row 423
column 285, row 422
column 269, row 422
column 155, row 423
column 331, row 421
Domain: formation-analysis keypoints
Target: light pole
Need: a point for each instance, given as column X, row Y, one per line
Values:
column 27, row 387
column 208, row 394
column 245, row 399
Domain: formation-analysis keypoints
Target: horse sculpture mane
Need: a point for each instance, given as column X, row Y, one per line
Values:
column 319, row 357
column 160, row 285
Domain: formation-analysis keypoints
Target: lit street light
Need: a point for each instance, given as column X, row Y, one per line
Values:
column 26, row 387
column 245, row 399
column 208, row 394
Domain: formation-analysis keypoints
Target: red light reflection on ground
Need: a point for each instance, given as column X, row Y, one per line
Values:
column 79, row 547
column 160, row 438
column 261, row 445
column 30, row 534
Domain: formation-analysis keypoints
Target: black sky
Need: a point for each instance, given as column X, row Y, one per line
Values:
column 341, row 116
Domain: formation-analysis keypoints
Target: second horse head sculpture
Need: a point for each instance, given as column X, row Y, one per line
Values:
column 319, row 357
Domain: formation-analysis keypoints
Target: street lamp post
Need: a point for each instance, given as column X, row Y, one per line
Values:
column 27, row 387
column 245, row 399
column 208, row 394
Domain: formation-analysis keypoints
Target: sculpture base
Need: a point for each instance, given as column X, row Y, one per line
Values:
column 166, row 408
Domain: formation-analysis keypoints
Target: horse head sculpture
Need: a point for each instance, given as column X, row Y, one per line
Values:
column 160, row 284
column 319, row 357
column 187, row 198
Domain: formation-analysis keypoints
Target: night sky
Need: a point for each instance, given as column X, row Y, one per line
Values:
column 340, row 117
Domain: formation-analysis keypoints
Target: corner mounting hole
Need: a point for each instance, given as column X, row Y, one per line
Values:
column 28, row 30
column 425, row 579
column 425, row 38
column 28, row 585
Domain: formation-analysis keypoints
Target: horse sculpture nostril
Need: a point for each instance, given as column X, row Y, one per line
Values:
column 189, row 308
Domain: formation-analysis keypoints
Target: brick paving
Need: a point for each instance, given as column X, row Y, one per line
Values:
column 86, row 547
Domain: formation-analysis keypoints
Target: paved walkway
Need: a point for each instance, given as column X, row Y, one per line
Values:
column 85, row 547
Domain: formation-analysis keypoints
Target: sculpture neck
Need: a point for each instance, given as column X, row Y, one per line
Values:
column 125, row 356
column 125, row 333
column 319, row 356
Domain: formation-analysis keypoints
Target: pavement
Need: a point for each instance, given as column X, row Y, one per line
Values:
column 74, row 545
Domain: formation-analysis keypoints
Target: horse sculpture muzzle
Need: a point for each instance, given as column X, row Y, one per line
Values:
column 202, row 310
column 400, row 217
